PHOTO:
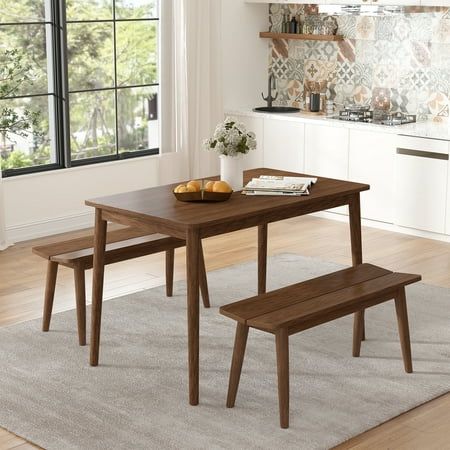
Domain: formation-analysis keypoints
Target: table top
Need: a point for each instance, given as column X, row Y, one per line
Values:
column 158, row 205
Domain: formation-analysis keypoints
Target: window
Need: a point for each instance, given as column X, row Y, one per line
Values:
column 92, row 80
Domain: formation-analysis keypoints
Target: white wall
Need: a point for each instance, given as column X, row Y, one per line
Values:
column 244, row 53
column 52, row 202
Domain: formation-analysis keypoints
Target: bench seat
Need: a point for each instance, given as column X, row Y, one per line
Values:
column 121, row 245
column 304, row 305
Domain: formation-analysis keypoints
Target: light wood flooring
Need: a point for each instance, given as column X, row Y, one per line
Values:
column 426, row 427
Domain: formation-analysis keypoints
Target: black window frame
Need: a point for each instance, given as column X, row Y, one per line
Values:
column 58, row 25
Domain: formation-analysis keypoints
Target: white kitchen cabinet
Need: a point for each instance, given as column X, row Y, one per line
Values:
column 326, row 151
column 372, row 161
column 254, row 158
column 284, row 145
column 421, row 184
column 326, row 154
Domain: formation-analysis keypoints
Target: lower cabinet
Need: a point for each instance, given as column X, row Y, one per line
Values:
column 326, row 154
column 372, row 161
column 284, row 145
column 421, row 184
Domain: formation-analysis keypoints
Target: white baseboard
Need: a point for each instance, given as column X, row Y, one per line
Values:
column 58, row 225
column 34, row 230
column 386, row 226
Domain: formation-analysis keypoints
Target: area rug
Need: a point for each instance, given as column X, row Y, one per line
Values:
column 137, row 397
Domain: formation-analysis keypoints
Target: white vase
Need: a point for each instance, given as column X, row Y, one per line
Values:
column 231, row 171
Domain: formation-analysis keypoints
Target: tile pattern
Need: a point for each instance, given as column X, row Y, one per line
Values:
column 398, row 63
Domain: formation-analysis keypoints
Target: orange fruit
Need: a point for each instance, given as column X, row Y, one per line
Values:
column 209, row 186
column 221, row 186
column 194, row 184
column 191, row 188
column 180, row 188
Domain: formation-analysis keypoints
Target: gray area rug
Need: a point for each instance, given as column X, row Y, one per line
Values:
column 137, row 397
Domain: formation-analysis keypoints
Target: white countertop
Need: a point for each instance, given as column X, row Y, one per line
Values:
column 428, row 129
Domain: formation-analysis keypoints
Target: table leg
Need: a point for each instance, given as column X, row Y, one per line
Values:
column 356, row 243
column 262, row 258
column 192, row 276
column 97, row 284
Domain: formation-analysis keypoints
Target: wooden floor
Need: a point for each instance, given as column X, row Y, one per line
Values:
column 426, row 427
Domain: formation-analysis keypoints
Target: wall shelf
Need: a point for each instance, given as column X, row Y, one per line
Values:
column 304, row 37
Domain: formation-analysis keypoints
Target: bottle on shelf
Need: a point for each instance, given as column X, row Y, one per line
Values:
column 299, row 25
column 286, row 24
column 293, row 25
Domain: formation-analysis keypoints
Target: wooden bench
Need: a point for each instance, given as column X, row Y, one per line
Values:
column 121, row 245
column 305, row 305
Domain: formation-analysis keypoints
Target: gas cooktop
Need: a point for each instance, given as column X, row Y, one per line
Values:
column 364, row 114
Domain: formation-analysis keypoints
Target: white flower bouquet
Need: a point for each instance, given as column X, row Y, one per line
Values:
column 231, row 139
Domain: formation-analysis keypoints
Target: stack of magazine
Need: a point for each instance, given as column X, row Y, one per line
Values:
column 278, row 185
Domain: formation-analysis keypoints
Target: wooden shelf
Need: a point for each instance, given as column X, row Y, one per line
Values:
column 304, row 37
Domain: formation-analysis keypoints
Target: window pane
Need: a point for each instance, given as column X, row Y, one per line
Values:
column 138, row 124
column 30, row 145
column 89, row 10
column 30, row 43
column 92, row 124
column 136, row 9
column 137, row 53
column 13, row 11
column 90, row 55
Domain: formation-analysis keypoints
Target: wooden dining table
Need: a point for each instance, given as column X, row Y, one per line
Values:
column 157, row 211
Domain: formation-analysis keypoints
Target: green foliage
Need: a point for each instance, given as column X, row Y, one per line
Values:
column 15, row 160
column 13, row 73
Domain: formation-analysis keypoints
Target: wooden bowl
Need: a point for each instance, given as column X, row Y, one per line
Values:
column 202, row 196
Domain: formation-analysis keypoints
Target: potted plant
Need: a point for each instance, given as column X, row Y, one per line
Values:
column 231, row 141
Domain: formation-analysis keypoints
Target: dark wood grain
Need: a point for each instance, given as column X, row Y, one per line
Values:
column 203, row 278
column 170, row 260
column 97, row 285
column 80, row 296
column 262, row 258
column 354, row 209
column 157, row 210
column 158, row 206
column 403, row 329
column 324, row 306
column 50, row 285
column 259, row 305
column 282, row 350
column 313, row 302
column 193, row 246
column 240, row 343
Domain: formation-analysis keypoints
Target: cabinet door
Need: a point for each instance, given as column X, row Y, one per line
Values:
column 254, row 158
column 372, row 161
column 421, row 189
column 326, row 151
column 326, row 154
column 284, row 145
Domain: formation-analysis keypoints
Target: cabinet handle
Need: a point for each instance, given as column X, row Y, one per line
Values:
column 422, row 154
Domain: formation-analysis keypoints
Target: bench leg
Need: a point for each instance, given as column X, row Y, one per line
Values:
column 240, row 343
column 80, row 294
column 170, row 259
column 403, row 329
column 262, row 258
column 282, row 346
column 202, row 278
column 50, row 285
column 358, row 332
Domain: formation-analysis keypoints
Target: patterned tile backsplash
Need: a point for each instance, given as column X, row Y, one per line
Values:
column 394, row 63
